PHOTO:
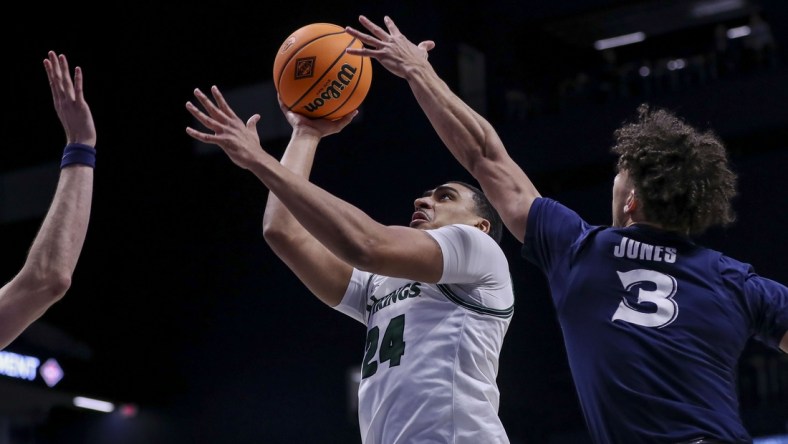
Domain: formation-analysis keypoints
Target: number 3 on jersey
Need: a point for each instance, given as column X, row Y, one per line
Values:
column 661, row 296
column 392, row 347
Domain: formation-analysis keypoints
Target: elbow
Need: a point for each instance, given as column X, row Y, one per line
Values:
column 279, row 237
column 57, row 285
column 50, row 286
column 272, row 231
column 364, row 256
column 362, row 262
column 273, row 235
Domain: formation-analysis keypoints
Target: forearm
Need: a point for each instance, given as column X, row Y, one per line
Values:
column 342, row 228
column 317, row 268
column 54, row 253
column 339, row 226
column 298, row 157
column 46, row 275
column 466, row 134
column 476, row 145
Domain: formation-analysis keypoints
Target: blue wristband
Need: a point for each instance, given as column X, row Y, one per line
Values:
column 78, row 153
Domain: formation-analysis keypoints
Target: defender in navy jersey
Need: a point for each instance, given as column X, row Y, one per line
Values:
column 654, row 324
column 436, row 296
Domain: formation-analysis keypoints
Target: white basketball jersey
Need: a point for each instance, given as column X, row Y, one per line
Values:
column 431, row 357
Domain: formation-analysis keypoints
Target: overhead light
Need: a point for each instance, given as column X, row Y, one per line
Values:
column 677, row 64
column 739, row 31
column 621, row 40
column 714, row 7
column 94, row 404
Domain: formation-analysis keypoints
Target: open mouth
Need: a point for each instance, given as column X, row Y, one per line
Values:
column 418, row 216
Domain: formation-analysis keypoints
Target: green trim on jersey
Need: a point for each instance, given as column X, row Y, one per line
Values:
column 505, row 313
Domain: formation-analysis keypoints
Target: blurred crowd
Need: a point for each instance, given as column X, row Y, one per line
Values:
column 662, row 66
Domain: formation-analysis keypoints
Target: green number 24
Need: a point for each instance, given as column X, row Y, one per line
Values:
column 392, row 347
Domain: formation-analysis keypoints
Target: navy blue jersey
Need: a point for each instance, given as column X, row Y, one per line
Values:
column 654, row 325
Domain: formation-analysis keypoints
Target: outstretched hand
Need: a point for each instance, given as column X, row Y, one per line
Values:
column 316, row 127
column 238, row 140
column 392, row 49
column 70, row 105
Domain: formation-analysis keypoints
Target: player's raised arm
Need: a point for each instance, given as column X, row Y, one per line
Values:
column 321, row 271
column 46, row 274
column 344, row 229
column 468, row 136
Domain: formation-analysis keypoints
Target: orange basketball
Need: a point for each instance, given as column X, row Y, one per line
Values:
column 315, row 77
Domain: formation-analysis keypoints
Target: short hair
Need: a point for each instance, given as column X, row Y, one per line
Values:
column 485, row 209
column 680, row 174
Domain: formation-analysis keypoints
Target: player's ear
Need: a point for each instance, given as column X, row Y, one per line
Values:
column 484, row 225
column 632, row 203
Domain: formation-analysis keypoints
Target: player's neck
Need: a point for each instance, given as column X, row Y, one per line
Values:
column 645, row 223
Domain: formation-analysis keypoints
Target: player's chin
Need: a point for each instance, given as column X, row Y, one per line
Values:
column 417, row 223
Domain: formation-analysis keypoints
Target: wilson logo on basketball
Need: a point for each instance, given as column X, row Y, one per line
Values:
column 334, row 89
column 305, row 68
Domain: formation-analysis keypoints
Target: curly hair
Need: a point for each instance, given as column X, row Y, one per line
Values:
column 680, row 174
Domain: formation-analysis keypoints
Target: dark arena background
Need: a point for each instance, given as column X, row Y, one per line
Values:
column 183, row 319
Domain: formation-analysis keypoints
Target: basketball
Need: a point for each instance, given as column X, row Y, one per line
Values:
column 315, row 77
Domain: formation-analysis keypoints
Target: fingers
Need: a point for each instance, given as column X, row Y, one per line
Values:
column 56, row 71
column 63, row 65
column 427, row 46
column 205, row 101
column 252, row 122
column 53, row 74
column 376, row 30
column 393, row 30
column 218, row 117
column 60, row 82
column 199, row 135
column 203, row 118
column 78, row 84
column 49, row 66
column 345, row 121
column 363, row 38
column 65, row 76
column 221, row 103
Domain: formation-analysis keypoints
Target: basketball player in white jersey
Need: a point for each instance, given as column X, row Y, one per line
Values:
column 436, row 297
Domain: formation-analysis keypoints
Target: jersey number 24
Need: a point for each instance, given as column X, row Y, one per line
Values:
column 392, row 347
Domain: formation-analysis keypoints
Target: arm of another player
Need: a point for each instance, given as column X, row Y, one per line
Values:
column 46, row 274
column 321, row 271
column 345, row 230
column 467, row 135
